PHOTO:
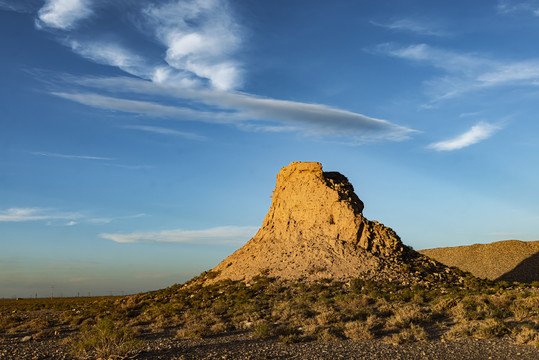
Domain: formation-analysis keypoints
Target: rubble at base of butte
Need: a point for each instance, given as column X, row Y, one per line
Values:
column 315, row 229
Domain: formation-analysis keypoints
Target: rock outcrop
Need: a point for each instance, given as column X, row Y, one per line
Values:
column 315, row 229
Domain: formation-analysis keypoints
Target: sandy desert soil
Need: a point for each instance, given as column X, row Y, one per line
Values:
column 243, row 346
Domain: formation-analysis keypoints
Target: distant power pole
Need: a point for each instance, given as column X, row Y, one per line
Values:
column 52, row 291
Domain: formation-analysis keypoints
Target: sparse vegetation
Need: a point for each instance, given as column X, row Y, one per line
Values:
column 105, row 339
column 289, row 312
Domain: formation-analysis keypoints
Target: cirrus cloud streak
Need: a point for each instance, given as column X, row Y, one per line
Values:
column 477, row 133
column 247, row 112
column 34, row 214
column 465, row 72
column 216, row 235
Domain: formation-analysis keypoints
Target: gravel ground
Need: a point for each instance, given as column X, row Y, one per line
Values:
column 242, row 346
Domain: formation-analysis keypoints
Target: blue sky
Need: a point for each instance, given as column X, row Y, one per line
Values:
column 139, row 141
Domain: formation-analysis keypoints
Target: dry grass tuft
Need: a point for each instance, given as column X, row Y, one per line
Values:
column 357, row 330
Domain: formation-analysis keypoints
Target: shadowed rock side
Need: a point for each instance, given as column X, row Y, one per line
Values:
column 315, row 229
column 527, row 271
column 510, row 260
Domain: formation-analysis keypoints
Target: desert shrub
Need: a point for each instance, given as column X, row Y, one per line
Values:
column 526, row 308
column 193, row 332
column 288, row 334
column 461, row 329
column 10, row 321
column 358, row 330
column 526, row 335
column 211, row 274
column 327, row 334
column 263, row 330
column 491, row 328
column 501, row 285
column 502, row 301
column 292, row 338
column 406, row 315
column 473, row 283
column 374, row 323
column 419, row 298
column 383, row 308
column 327, row 316
column 221, row 327
column 359, row 285
column 484, row 329
column 36, row 324
column 295, row 311
column 219, row 307
column 104, row 340
column 402, row 296
column 521, row 312
column 444, row 304
column 409, row 334
column 43, row 334
column 471, row 308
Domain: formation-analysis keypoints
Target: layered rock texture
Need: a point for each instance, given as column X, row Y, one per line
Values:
column 315, row 229
column 510, row 260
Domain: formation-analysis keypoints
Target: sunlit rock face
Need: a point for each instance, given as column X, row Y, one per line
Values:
column 314, row 229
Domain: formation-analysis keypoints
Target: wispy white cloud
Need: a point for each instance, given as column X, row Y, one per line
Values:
column 34, row 214
column 414, row 26
column 165, row 131
column 247, row 112
column 477, row 133
column 508, row 7
column 449, row 61
column 216, row 235
column 107, row 52
column 63, row 14
column 107, row 160
column 51, row 215
column 510, row 73
column 75, row 157
column 132, row 167
column 146, row 108
column 470, row 114
column 200, row 36
column 465, row 72
column 19, row 6
column 108, row 220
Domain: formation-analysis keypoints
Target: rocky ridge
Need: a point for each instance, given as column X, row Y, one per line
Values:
column 315, row 229
column 509, row 260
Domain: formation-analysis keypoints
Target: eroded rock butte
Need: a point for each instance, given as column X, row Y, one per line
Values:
column 315, row 229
